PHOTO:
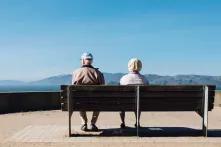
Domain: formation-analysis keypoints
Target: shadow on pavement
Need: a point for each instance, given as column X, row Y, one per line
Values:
column 149, row 132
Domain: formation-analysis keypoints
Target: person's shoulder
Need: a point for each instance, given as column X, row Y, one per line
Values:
column 125, row 76
column 124, row 79
column 96, row 70
column 78, row 70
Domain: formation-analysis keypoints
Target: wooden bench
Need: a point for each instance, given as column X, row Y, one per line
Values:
column 198, row 98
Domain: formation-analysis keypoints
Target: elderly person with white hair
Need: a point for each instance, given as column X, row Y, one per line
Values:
column 88, row 75
column 132, row 78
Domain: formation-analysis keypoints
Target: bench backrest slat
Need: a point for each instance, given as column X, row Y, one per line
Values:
column 170, row 98
column 104, row 98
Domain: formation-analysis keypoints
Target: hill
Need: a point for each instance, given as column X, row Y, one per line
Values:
column 114, row 78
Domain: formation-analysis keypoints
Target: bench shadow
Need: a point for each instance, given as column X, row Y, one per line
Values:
column 150, row 132
column 214, row 133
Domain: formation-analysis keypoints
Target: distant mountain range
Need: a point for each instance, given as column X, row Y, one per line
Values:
column 114, row 78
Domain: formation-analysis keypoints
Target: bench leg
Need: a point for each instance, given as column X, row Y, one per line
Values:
column 138, row 109
column 70, row 110
column 69, row 123
column 205, row 111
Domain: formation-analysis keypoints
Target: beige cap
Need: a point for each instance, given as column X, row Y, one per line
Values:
column 134, row 65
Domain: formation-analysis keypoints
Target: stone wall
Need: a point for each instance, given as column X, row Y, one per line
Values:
column 29, row 101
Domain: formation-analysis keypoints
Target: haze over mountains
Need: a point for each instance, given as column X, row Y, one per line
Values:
column 114, row 78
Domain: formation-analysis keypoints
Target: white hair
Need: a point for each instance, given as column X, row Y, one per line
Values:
column 134, row 65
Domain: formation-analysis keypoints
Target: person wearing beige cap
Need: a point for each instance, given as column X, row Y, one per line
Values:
column 132, row 78
column 88, row 75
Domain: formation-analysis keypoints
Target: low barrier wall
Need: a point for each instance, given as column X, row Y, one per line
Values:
column 29, row 101
column 218, row 99
column 36, row 101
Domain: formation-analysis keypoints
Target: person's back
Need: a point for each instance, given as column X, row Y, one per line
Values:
column 88, row 75
column 132, row 78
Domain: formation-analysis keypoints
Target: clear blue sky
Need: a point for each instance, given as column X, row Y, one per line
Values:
column 41, row 38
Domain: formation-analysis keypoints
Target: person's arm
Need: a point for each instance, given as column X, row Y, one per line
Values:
column 102, row 79
column 123, row 80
